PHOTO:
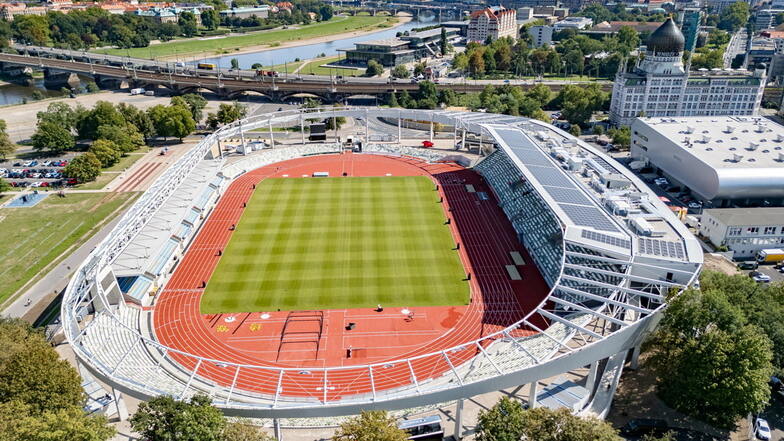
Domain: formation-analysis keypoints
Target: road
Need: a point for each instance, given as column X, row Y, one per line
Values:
column 736, row 46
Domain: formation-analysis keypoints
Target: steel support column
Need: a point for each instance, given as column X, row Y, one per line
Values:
column 277, row 429
column 119, row 402
column 635, row 361
column 532, row 391
column 459, row 420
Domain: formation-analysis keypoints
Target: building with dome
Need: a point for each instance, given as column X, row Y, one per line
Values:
column 661, row 86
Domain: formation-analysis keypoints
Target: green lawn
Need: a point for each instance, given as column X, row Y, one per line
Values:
column 335, row 243
column 34, row 237
column 314, row 67
column 336, row 25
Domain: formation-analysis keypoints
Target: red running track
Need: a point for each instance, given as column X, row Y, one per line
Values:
column 479, row 225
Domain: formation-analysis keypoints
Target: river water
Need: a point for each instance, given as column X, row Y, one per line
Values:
column 15, row 94
column 276, row 57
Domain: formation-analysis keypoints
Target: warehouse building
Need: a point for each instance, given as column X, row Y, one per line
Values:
column 725, row 161
column 744, row 230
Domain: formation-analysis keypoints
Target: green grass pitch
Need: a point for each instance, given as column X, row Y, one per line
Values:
column 337, row 243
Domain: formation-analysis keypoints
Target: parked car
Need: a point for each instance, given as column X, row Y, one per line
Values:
column 761, row 429
column 748, row 265
column 695, row 205
column 644, row 426
column 759, row 277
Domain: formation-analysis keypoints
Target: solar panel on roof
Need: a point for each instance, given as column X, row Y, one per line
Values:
column 605, row 238
column 661, row 248
column 551, row 176
column 588, row 217
column 568, row 195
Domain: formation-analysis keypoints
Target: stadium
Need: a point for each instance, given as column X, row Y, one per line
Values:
column 322, row 279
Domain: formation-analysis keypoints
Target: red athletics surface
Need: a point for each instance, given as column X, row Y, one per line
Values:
column 320, row 338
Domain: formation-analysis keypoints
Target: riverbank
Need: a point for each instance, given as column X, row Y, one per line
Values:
column 194, row 49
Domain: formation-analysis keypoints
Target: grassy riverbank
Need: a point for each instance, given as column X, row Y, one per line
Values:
column 256, row 40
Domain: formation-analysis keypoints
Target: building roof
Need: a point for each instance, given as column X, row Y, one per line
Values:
column 615, row 26
column 386, row 42
column 725, row 142
column 666, row 39
column 747, row 216
column 493, row 12
column 245, row 10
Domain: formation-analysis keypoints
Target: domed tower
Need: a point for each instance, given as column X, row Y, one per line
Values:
column 664, row 51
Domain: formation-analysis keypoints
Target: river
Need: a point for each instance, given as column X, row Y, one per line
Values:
column 274, row 57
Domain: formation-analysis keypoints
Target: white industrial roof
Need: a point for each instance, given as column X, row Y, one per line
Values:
column 735, row 142
column 748, row 216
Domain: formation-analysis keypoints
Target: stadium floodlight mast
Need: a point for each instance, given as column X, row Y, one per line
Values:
column 605, row 291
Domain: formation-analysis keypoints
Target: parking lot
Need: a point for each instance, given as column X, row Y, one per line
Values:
column 35, row 173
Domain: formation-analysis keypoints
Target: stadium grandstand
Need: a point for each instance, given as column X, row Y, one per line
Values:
column 566, row 256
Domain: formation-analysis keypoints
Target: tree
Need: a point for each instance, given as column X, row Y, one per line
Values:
column 579, row 102
column 18, row 423
column 139, row 119
column 502, row 422
column 628, row 39
column 326, row 12
column 210, row 19
column 708, row 60
column 575, row 130
column 40, row 395
column 373, row 425
column 165, row 419
column 444, row 45
column 427, row 91
column 762, row 307
column 53, row 138
column 235, row 64
column 126, row 139
column 174, row 120
column 374, row 69
column 392, row 100
column 406, row 101
column 102, row 114
column 621, row 137
column 331, row 122
column 710, row 362
column 541, row 94
column 59, row 113
column 4, row 186
column 400, row 71
column 32, row 374
column 476, row 63
column 195, row 102
column 419, row 69
column 187, row 23
column 244, row 431
column 84, row 168
column 228, row 113
column 507, row 421
column 598, row 129
column 107, row 152
column 6, row 146
column 734, row 16
column 31, row 29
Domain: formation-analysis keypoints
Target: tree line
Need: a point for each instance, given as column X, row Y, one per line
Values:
column 95, row 27
column 112, row 131
column 575, row 54
column 577, row 103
